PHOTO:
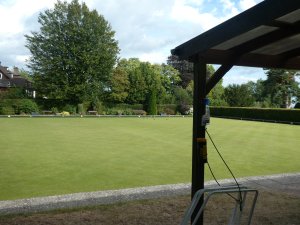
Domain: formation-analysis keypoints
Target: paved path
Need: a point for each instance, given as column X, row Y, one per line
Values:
column 288, row 183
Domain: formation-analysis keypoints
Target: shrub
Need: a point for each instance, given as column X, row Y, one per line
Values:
column 7, row 110
column 54, row 110
column 152, row 103
column 70, row 108
column 139, row 112
column 169, row 109
column 27, row 106
column 80, row 108
column 183, row 109
column 64, row 113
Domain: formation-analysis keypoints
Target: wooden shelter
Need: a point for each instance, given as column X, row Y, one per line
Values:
column 266, row 35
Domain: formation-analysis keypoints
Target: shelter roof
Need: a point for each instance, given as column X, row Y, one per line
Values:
column 266, row 35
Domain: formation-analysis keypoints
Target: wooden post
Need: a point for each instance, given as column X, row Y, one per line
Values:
column 198, row 131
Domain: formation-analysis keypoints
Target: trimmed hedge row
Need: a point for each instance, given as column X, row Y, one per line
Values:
column 284, row 115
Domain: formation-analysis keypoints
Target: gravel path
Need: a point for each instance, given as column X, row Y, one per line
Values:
column 289, row 183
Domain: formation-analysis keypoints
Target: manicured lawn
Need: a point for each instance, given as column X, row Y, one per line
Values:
column 48, row 156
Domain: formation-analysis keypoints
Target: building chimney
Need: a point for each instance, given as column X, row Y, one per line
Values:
column 16, row 71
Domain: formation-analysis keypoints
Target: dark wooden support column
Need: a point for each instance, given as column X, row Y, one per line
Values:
column 198, row 129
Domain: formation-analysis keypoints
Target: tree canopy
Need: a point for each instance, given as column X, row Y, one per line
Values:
column 280, row 86
column 73, row 53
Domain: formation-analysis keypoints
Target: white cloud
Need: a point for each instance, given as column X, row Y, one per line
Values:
column 16, row 13
column 241, row 75
column 154, row 57
column 184, row 12
column 144, row 29
column 246, row 4
column 229, row 6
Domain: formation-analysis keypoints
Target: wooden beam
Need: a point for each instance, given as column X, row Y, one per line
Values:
column 198, row 131
column 217, row 76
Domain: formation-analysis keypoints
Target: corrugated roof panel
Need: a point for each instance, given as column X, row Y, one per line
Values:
column 240, row 39
column 280, row 47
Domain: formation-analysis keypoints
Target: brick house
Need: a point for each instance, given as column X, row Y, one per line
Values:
column 11, row 79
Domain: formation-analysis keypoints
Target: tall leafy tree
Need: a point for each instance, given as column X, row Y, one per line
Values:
column 185, row 69
column 238, row 95
column 73, row 54
column 281, row 86
column 119, row 85
column 170, row 78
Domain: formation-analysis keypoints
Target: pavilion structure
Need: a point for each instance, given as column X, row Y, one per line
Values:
column 266, row 35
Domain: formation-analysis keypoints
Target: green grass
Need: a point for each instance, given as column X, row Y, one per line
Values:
column 48, row 156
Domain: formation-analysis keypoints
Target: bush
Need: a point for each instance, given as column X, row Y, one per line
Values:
column 7, row 110
column 168, row 109
column 26, row 106
column 18, row 106
column 80, row 109
column 183, row 109
column 54, row 110
column 152, row 103
column 70, row 108
column 139, row 112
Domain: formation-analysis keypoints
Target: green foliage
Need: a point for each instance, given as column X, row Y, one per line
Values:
column 119, row 85
column 26, row 106
column 238, row 95
column 133, row 81
column 286, row 115
column 69, row 108
column 6, row 109
column 54, row 110
column 281, row 86
column 80, row 109
column 13, row 93
column 73, row 54
column 169, row 77
column 152, row 103
column 17, row 106
column 183, row 100
column 185, row 69
column 168, row 109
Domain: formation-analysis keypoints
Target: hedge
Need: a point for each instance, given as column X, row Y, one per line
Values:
column 280, row 115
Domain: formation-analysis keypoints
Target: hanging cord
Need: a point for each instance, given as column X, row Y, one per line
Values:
column 240, row 193
column 212, row 173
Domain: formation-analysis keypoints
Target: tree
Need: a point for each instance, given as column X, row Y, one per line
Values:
column 138, row 88
column 281, row 86
column 238, row 95
column 152, row 102
column 73, row 54
column 185, row 68
column 170, row 78
column 119, row 85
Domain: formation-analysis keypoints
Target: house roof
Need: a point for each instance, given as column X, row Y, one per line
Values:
column 12, row 79
column 266, row 35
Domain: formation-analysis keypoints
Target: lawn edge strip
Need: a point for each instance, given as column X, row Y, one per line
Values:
column 78, row 200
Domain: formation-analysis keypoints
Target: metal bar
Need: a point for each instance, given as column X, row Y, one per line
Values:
column 212, row 191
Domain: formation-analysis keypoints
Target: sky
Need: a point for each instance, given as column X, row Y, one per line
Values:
column 145, row 29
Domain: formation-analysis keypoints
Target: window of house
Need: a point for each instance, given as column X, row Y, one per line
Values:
column 0, row 76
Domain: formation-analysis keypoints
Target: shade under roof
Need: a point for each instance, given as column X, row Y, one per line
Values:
column 266, row 35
